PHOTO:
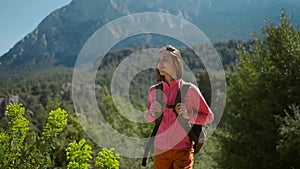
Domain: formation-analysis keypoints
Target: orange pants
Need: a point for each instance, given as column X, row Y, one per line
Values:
column 174, row 159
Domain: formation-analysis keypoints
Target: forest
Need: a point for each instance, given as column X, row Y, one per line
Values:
column 39, row 127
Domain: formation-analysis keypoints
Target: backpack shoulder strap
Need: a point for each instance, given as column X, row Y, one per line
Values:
column 180, row 94
column 195, row 130
column 159, row 92
column 150, row 143
column 159, row 98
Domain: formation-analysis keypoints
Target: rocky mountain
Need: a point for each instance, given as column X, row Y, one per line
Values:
column 60, row 36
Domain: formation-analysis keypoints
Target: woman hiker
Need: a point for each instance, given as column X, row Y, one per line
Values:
column 172, row 146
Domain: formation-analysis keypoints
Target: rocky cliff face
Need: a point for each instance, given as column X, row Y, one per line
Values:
column 60, row 36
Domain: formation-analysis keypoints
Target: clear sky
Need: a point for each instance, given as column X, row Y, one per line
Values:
column 20, row 17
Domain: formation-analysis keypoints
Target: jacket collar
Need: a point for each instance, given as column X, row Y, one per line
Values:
column 173, row 84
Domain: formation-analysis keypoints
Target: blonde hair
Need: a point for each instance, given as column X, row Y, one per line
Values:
column 177, row 60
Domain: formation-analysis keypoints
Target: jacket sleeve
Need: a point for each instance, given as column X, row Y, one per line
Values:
column 151, row 99
column 199, row 111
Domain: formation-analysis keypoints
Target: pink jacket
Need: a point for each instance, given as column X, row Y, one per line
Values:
column 171, row 134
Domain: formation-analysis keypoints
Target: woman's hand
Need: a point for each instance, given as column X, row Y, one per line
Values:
column 181, row 110
column 155, row 109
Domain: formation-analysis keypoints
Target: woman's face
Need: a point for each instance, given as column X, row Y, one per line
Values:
column 166, row 66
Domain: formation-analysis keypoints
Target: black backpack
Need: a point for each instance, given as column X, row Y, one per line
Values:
column 197, row 133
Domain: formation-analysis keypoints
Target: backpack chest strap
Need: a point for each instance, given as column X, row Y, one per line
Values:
column 170, row 106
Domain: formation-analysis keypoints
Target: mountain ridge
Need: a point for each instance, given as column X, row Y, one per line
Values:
column 57, row 40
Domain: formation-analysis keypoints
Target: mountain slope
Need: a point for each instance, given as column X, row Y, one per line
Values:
column 59, row 37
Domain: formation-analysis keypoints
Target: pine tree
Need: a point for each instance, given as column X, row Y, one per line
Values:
column 262, row 88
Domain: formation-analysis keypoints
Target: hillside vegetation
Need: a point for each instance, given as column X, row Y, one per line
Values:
column 259, row 128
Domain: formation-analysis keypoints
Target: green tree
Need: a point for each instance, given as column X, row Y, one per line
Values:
column 22, row 148
column 261, row 88
column 289, row 130
column 107, row 159
column 12, row 141
column 78, row 155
